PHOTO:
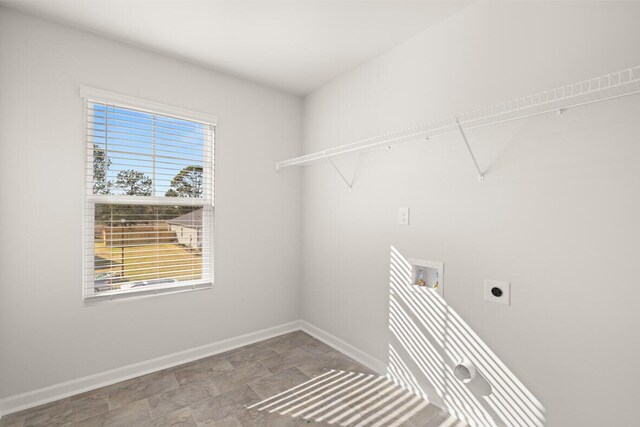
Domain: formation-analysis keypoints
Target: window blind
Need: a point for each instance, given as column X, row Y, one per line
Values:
column 149, row 205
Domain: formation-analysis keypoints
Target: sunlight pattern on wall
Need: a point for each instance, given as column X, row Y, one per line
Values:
column 429, row 338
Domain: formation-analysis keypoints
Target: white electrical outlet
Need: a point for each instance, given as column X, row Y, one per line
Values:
column 403, row 216
column 497, row 291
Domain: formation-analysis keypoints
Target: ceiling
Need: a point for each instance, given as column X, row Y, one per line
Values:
column 295, row 46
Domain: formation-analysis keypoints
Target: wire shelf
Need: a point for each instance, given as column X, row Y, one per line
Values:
column 609, row 86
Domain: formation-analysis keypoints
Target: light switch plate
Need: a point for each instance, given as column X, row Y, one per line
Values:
column 403, row 216
column 497, row 291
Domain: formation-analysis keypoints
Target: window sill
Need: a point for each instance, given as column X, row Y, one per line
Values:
column 150, row 291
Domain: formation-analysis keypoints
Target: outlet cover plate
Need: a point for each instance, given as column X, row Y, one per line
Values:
column 505, row 287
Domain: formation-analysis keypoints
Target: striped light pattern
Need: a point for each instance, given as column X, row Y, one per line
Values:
column 344, row 398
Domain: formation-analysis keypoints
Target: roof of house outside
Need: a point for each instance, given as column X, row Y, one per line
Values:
column 191, row 219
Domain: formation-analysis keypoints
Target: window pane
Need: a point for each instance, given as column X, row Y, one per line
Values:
column 139, row 153
column 149, row 222
column 136, row 246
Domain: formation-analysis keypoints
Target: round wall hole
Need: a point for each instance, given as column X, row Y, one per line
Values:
column 464, row 371
column 496, row 292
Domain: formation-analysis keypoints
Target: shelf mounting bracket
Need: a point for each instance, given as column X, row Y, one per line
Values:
column 473, row 158
column 346, row 181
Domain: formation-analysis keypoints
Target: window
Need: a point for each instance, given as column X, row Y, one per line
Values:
column 149, row 197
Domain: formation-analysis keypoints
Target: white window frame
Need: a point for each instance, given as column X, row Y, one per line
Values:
column 89, row 94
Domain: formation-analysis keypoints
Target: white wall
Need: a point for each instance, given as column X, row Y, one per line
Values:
column 557, row 215
column 47, row 335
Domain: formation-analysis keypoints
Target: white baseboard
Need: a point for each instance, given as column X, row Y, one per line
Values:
column 54, row 392
column 345, row 348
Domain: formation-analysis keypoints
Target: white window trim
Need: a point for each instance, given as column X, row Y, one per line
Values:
column 92, row 94
column 148, row 291
column 129, row 101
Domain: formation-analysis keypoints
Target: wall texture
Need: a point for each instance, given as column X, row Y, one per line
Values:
column 47, row 335
column 557, row 215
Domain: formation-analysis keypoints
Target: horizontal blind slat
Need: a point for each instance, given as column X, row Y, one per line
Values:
column 149, row 161
column 123, row 199
column 103, row 135
column 139, row 271
column 108, row 151
column 123, row 112
column 137, row 259
column 113, row 134
column 110, row 128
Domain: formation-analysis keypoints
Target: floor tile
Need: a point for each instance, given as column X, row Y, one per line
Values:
column 420, row 415
column 56, row 414
column 181, row 397
column 179, row 418
column 442, row 419
column 89, row 406
column 276, row 383
column 229, row 421
column 133, row 414
column 201, row 372
column 239, row 377
column 220, row 407
column 411, row 411
column 326, row 399
column 253, row 418
column 13, row 420
column 8, row 421
column 288, row 342
column 18, row 418
column 316, row 347
column 389, row 407
column 217, row 363
column 102, row 391
column 288, row 359
column 242, row 356
column 357, row 402
column 321, row 363
column 140, row 388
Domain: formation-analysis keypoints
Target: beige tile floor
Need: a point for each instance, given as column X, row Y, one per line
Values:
column 289, row 380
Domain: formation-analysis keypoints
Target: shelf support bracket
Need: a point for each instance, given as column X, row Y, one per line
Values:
column 346, row 181
column 473, row 158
